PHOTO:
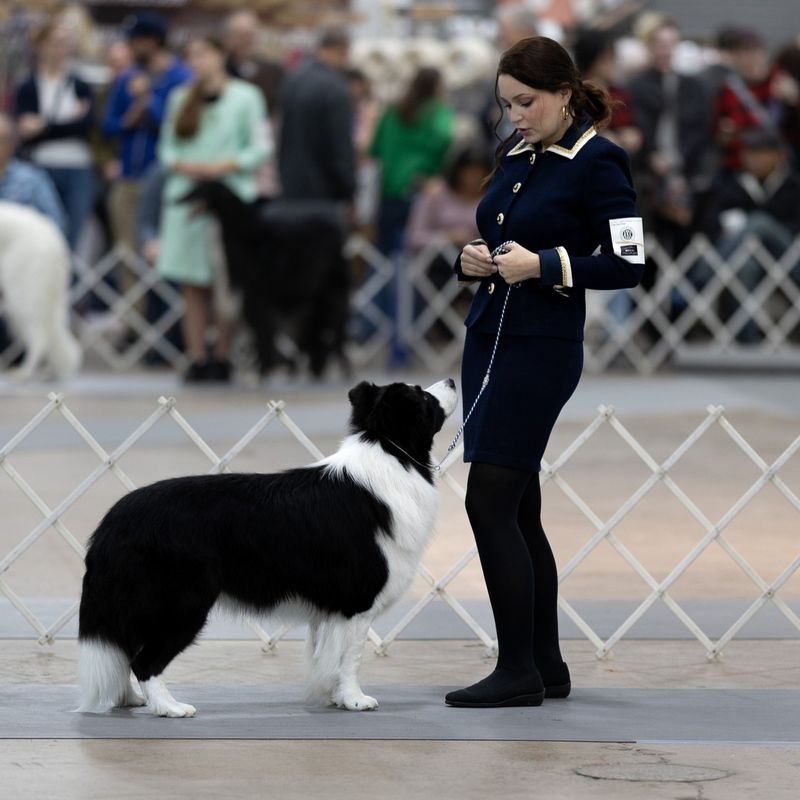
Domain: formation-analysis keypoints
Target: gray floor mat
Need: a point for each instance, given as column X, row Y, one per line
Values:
column 35, row 711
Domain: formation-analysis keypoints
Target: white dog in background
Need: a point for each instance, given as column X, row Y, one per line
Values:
column 34, row 276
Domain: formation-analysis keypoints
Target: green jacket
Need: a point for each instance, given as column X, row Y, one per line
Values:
column 410, row 152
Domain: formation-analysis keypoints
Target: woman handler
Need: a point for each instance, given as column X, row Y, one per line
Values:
column 558, row 193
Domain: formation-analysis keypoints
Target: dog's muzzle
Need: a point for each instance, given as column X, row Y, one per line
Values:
column 445, row 392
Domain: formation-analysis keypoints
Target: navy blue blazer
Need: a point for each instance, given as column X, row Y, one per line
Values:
column 563, row 203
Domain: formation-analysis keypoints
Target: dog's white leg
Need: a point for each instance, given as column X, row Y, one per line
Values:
column 161, row 702
column 132, row 698
column 347, row 694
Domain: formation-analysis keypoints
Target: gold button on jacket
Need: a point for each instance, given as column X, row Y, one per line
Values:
column 517, row 186
column 490, row 288
column 500, row 218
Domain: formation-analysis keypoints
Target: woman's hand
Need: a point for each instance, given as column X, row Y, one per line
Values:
column 31, row 125
column 518, row 264
column 476, row 261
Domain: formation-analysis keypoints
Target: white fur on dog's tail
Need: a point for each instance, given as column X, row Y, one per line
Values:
column 65, row 353
column 104, row 672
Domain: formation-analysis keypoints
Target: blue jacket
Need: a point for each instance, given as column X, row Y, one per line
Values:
column 563, row 203
column 138, row 145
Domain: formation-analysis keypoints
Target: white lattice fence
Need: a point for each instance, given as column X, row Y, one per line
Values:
column 109, row 463
column 700, row 306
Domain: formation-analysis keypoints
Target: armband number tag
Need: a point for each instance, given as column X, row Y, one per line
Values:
column 627, row 238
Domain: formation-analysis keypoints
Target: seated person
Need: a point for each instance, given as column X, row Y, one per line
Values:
column 445, row 210
column 762, row 199
column 23, row 183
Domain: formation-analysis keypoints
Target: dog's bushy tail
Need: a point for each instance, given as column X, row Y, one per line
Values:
column 65, row 352
column 104, row 673
column 104, row 668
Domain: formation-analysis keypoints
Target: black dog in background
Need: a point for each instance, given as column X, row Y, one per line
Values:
column 285, row 259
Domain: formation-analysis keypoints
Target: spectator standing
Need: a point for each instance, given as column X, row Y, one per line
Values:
column 214, row 131
column 242, row 29
column 134, row 114
column 241, row 43
column 594, row 57
column 24, row 183
column 411, row 142
column 747, row 99
column 54, row 109
column 410, row 145
column 317, row 157
column 673, row 113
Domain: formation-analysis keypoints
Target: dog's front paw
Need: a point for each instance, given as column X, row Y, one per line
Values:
column 355, row 701
column 173, row 710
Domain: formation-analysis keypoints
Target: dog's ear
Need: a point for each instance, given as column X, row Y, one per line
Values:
column 363, row 395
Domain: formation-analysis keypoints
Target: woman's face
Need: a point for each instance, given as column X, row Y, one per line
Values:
column 57, row 47
column 535, row 113
column 204, row 59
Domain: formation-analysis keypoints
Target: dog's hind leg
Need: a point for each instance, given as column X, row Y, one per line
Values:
column 160, row 648
column 347, row 693
column 36, row 338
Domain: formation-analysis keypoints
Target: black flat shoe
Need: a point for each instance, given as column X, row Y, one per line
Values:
column 557, row 684
column 218, row 371
column 499, row 690
column 196, row 373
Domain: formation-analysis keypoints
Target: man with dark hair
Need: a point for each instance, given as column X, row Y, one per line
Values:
column 135, row 111
column 317, row 154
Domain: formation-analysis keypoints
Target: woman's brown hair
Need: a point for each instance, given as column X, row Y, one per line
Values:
column 423, row 88
column 544, row 64
column 187, row 122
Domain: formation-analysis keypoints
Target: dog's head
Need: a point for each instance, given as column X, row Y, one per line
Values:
column 402, row 418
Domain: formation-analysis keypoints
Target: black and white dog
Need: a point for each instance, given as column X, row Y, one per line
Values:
column 331, row 544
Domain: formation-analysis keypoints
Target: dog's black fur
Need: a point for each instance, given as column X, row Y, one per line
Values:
column 286, row 259
column 163, row 554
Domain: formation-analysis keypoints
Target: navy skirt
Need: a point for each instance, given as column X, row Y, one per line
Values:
column 532, row 379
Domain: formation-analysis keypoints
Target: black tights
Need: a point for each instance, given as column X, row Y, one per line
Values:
column 504, row 508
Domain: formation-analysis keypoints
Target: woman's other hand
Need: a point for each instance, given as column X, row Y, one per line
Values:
column 518, row 264
column 476, row 261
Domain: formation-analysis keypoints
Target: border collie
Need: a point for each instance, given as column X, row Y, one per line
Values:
column 332, row 544
column 34, row 273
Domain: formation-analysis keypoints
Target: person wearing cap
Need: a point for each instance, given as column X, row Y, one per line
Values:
column 135, row 112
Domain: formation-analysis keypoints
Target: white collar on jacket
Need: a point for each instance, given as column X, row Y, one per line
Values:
column 568, row 152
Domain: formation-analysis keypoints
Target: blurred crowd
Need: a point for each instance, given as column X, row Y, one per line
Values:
column 714, row 141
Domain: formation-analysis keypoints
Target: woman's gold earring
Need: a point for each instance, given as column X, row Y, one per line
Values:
column 564, row 112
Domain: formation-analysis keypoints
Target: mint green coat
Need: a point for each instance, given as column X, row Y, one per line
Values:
column 233, row 127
